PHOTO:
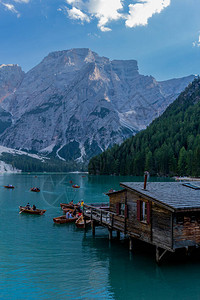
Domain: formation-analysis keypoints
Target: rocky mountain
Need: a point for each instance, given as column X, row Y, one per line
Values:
column 75, row 104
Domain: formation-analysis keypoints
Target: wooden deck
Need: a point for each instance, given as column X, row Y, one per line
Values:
column 103, row 217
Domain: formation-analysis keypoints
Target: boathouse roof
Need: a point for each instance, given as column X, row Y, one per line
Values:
column 175, row 195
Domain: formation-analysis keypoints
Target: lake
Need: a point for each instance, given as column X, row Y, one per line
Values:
column 41, row 260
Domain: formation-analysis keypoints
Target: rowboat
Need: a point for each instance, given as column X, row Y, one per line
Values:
column 80, row 222
column 67, row 205
column 36, row 211
column 35, row 189
column 64, row 220
column 9, row 186
column 76, row 186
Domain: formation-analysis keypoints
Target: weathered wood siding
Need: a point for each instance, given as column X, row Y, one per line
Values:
column 161, row 226
column 186, row 229
column 134, row 227
column 158, row 231
column 116, row 198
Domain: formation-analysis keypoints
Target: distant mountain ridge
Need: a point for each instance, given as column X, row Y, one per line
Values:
column 75, row 104
column 169, row 146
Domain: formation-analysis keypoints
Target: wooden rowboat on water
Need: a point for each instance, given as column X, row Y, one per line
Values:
column 36, row 211
column 64, row 220
column 76, row 186
column 35, row 189
column 9, row 186
column 80, row 222
column 67, row 205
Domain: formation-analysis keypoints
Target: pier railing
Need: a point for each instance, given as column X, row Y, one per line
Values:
column 102, row 216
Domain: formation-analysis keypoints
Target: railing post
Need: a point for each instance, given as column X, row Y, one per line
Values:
column 91, row 213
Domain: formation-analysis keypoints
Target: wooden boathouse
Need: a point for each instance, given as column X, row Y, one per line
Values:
column 164, row 214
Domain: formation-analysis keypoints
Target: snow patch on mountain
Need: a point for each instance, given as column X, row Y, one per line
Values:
column 19, row 152
column 6, row 168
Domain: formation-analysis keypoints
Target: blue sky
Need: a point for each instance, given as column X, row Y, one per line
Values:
column 162, row 35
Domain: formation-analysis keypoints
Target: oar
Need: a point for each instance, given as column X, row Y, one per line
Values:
column 21, row 211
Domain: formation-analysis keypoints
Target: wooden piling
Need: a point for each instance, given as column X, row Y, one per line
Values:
column 84, row 223
column 130, row 244
column 110, row 234
column 118, row 235
column 93, row 227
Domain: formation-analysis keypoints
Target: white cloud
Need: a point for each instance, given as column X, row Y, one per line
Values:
column 196, row 43
column 77, row 14
column 140, row 12
column 22, row 1
column 11, row 8
column 106, row 11
column 104, row 29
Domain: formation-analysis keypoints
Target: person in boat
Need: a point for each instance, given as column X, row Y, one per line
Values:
column 34, row 207
column 67, row 215
column 28, row 206
column 70, row 216
column 82, row 202
column 74, row 212
column 71, row 202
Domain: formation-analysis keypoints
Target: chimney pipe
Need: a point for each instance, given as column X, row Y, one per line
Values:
column 145, row 179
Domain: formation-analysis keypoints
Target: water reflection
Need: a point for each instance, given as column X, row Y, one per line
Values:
column 137, row 276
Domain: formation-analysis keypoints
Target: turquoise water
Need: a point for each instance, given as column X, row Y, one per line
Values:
column 41, row 260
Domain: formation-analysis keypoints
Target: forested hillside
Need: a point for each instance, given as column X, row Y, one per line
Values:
column 169, row 146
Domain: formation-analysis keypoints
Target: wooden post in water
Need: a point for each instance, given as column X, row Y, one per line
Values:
column 110, row 234
column 93, row 227
column 157, row 255
column 130, row 244
column 84, row 223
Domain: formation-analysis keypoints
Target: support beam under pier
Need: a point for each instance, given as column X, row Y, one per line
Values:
column 160, row 254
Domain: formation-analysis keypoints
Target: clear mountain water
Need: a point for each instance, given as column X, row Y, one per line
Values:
column 41, row 260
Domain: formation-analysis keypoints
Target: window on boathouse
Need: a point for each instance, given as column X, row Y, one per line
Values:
column 122, row 209
column 143, row 211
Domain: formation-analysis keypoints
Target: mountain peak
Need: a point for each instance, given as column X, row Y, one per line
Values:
column 76, row 103
column 9, row 65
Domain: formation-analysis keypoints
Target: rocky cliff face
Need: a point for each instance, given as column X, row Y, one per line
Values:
column 75, row 104
column 10, row 78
